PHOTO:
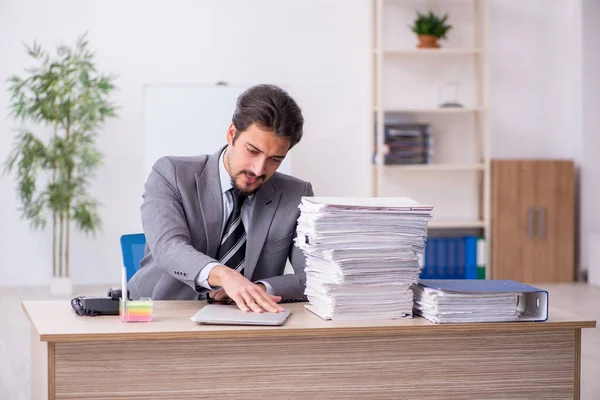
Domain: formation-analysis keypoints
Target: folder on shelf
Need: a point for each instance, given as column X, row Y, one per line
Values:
column 532, row 303
column 481, row 265
column 471, row 257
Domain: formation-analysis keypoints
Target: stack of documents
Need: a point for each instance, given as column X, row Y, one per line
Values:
column 362, row 255
column 464, row 301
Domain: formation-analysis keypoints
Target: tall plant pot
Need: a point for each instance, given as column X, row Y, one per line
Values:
column 428, row 42
column 61, row 286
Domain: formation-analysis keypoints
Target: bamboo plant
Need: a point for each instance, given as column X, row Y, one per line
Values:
column 68, row 100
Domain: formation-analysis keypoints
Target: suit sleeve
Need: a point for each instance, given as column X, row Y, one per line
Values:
column 166, row 228
column 292, row 286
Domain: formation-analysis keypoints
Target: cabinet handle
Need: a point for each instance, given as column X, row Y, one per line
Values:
column 542, row 223
column 530, row 221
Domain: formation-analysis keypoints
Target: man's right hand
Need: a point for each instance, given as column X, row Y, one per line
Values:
column 246, row 294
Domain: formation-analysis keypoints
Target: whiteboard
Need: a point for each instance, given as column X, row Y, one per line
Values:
column 186, row 120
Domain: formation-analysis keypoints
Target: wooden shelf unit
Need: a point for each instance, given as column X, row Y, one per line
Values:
column 465, row 57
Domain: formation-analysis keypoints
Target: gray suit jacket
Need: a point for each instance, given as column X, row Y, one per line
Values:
column 182, row 214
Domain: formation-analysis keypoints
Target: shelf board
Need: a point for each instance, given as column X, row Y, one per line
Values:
column 428, row 52
column 449, row 110
column 450, row 224
column 436, row 167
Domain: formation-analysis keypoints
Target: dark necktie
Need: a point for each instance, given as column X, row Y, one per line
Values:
column 232, row 250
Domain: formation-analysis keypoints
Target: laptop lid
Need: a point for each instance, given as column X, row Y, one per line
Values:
column 230, row 314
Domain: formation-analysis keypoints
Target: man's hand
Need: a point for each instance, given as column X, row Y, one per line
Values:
column 246, row 294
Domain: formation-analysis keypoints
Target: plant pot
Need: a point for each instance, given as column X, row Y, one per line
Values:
column 428, row 42
column 61, row 286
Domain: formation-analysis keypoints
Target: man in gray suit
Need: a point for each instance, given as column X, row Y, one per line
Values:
column 223, row 225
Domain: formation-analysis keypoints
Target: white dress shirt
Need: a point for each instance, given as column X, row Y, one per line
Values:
column 202, row 279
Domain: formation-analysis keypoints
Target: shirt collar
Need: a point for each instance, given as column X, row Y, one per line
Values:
column 223, row 174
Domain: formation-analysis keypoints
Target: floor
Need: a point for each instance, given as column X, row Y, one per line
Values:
column 14, row 334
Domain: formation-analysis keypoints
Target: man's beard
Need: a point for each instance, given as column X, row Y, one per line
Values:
column 238, row 190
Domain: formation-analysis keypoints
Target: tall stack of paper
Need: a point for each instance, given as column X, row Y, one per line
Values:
column 362, row 255
column 463, row 301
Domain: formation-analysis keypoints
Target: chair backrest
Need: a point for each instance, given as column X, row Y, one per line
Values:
column 132, row 248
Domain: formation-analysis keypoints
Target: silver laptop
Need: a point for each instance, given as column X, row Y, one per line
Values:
column 230, row 314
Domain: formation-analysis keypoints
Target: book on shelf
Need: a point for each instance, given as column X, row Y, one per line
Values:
column 406, row 144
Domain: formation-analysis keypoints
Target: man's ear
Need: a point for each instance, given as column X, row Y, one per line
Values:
column 230, row 134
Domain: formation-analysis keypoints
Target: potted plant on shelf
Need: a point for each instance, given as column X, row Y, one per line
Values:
column 429, row 28
column 68, row 100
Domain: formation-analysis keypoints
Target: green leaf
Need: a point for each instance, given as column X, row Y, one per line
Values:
column 86, row 216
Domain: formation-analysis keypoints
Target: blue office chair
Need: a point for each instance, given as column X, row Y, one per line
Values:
column 132, row 248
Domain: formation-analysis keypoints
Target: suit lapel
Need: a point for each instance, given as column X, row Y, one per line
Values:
column 210, row 197
column 265, row 205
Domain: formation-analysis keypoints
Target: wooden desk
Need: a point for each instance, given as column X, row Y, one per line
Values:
column 308, row 358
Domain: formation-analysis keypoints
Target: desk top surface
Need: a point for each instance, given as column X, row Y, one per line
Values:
column 55, row 321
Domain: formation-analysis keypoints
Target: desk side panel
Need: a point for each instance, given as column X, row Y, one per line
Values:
column 493, row 365
column 39, row 366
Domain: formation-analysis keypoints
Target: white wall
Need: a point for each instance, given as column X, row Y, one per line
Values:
column 590, row 160
column 320, row 49
column 531, row 79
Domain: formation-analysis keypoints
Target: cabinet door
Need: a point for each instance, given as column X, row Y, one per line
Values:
column 555, row 230
column 513, row 213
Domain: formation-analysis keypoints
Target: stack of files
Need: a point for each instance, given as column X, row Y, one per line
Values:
column 362, row 255
column 469, row 301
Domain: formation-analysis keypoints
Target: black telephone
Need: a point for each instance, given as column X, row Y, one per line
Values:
column 92, row 306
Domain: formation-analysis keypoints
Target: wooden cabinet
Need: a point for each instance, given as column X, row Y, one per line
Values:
column 533, row 220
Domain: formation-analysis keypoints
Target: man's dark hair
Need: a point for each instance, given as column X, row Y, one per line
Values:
column 269, row 107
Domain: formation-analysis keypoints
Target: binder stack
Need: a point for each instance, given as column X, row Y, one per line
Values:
column 454, row 258
column 464, row 301
column 362, row 255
